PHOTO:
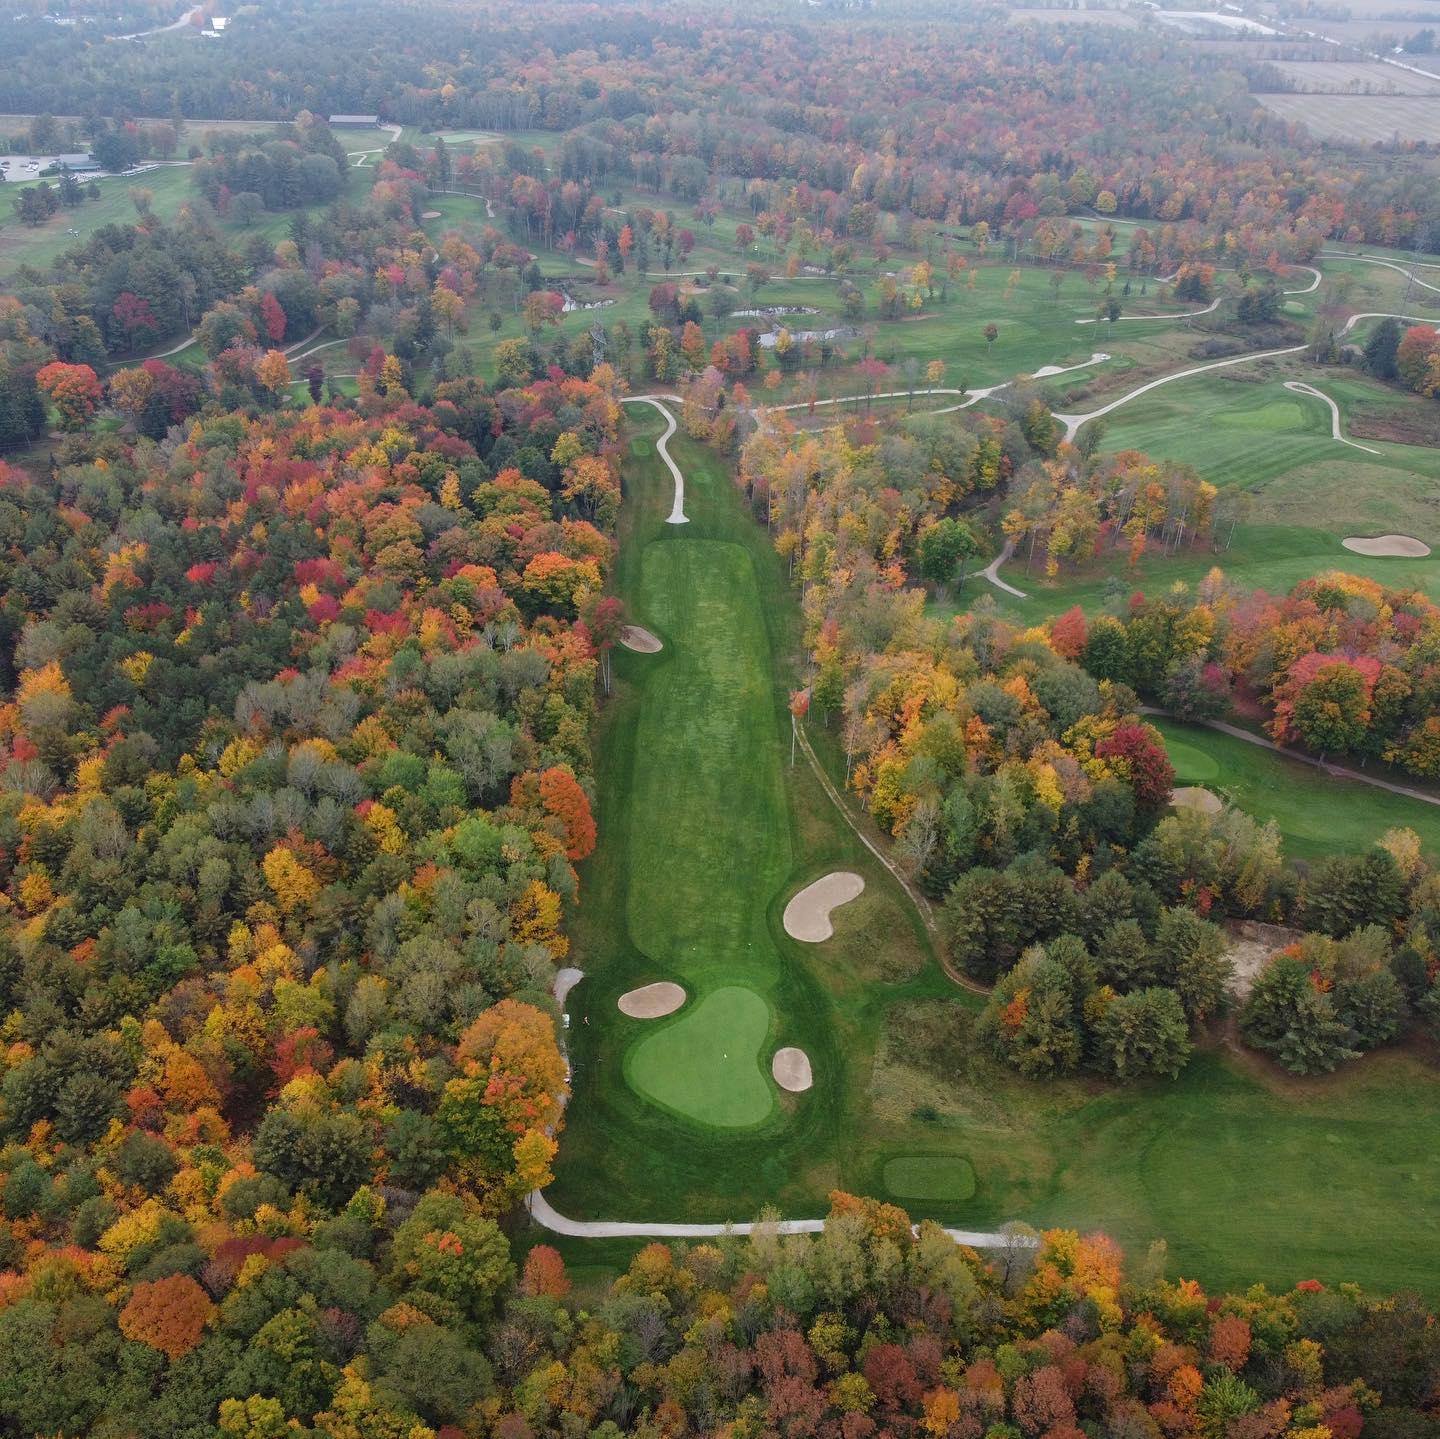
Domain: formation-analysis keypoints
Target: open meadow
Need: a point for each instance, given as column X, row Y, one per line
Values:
column 1363, row 119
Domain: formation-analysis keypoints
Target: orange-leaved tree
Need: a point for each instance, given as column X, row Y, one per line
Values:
column 168, row 1314
column 73, row 389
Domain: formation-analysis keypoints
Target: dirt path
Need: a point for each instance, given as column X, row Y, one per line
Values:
column 1299, row 387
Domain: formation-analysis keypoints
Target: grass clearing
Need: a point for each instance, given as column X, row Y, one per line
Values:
column 1316, row 813
column 170, row 189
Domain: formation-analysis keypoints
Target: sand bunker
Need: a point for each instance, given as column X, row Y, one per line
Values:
column 1388, row 547
column 791, row 1068
column 807, row 916
column 430, row 215
column 1193, row 797
column 639, row 640
column 653, row 1001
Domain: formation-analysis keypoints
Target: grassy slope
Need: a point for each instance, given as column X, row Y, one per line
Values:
column 1316, row 813
column 1307, row 492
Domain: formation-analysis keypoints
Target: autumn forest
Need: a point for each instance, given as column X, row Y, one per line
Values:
column 718, row 721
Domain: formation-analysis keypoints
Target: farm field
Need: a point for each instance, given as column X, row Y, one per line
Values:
column 1369, row 34
column 1366, row 119
column 1243, row 1173
column 1318, row 814
column 1123, row 19
column 1354, row 77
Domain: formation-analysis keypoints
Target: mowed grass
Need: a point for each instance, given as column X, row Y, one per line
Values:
column 1316, row 813
column 707, row 1064
column 707, row 758
column 1304, row 492
column 705, row 829
column 944, row 1179
column 1248, row 1175
column 1245, row 1173
column 1192, row 765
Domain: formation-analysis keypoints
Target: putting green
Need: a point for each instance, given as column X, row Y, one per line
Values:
column 942, row 1179
column 706, row 1066
column 1192, row 766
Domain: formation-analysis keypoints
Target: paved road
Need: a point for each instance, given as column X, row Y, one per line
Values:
column 1385, row 264
column 1154, row 319
column 1299, row 387
column 677, row 515
column 1213, row 305
column 969, row 397
column 992, row 571
column 1073, row 423
column 365, row 158
column 175, row 25
column 190, row 340
column 545, row 1215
